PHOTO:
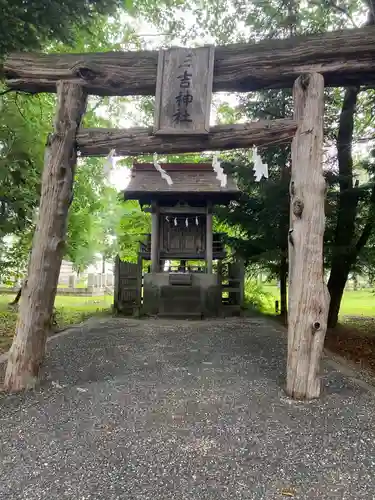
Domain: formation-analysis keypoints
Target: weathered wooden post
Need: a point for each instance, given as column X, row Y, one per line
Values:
column 308, row 294
column 209, row 239
column 38, row 295
column 155, row 237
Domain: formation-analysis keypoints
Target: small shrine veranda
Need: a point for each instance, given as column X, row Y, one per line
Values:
column 182, row 81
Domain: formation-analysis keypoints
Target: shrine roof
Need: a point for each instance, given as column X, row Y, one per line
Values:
column 190, row 181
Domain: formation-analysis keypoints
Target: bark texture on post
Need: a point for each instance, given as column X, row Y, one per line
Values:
column 38, row 294
column 308, row 294
column 345, row 57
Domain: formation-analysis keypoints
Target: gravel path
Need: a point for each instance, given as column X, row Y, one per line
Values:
column 172, row 410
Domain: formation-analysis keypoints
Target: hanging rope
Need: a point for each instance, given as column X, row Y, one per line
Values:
column 220, row 175
column 162, row 172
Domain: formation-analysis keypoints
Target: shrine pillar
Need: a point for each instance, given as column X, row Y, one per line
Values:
column 155, row 216
column 209, row 239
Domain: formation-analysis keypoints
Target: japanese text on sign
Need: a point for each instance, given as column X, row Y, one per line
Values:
column 185, row 97
column 183, row 91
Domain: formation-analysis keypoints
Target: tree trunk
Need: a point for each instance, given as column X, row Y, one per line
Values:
column 345, row 250
column 342, row 254
column 336, row 286
column 308, row 295
column 355, row 282
column 17, row 298
column 341, row 267
column 38, row 295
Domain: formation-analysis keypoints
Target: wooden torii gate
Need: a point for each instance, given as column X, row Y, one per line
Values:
column 333, row 59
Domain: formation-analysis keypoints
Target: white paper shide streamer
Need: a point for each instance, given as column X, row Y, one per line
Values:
column 109, row 163
column 220, row 175
column 260, row 168
column 162, row 172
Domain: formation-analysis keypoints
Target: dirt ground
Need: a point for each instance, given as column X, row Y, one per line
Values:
column 354, row 339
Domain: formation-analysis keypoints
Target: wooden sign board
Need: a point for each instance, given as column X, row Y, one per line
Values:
column 183, row 91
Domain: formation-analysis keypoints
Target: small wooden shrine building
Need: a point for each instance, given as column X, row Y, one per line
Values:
column 181, row 202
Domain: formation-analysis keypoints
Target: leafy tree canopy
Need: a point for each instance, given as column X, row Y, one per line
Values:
column 30, row 24
column 134, row 225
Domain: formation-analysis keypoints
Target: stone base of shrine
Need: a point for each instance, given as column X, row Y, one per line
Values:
column 183, row 295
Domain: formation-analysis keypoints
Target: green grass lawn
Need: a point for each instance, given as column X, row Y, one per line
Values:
column 70, row 310
column 79, row 284
column 354, row 336
column 354, row 303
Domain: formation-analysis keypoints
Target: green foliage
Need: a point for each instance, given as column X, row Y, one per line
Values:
column 134, row 225
column 112, row 211
column 261, row 216
column 68, row 311
column 257, row 297
column 259, row 220
column 25, row 123
column 29, row 25
column 94, row 217
column 226, row 114
column 14, row 257
column 83, row 223
column 224, row 22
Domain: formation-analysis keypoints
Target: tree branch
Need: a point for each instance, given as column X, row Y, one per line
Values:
column 371, row 14
column 339, row 8
column 17, row 106
column 7, row 91
column 343, row 10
